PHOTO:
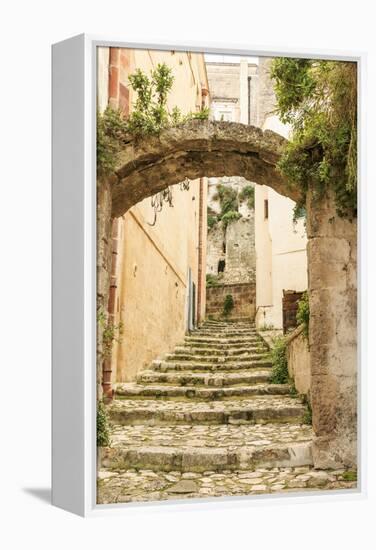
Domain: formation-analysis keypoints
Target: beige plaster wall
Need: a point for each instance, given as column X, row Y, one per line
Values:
column 153, row 261
column 281, row 245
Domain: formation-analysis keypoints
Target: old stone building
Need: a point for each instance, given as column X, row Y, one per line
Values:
column 157, row 287
column 231, row 260
column 281, row 243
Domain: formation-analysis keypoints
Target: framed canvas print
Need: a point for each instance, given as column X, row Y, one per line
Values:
column 205, row 266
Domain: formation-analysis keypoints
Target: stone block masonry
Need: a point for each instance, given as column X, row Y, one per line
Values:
column 243, row 294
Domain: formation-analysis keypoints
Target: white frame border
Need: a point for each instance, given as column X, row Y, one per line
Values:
column 82, row 500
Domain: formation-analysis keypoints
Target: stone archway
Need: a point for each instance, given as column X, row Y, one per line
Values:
column 206, row 148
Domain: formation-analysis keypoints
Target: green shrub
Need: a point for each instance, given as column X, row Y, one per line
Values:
column 248, row 194
column 230, row 216
column 278, row 355
column 149, row 116
column 228, row 305
column 302, row 315
column 103, row 431
column 318, row 99
column 212, row 221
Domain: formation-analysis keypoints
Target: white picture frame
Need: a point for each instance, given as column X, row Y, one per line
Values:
column 74, row 274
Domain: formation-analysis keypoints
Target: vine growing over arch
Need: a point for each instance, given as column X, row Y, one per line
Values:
column 318, row 99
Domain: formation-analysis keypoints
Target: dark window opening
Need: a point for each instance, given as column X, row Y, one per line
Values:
column 221, row 266
column 224, row 248
column 266, row 209
column 249, row 100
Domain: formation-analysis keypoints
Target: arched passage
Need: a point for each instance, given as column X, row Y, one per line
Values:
column 197, row 149
column 205, row 148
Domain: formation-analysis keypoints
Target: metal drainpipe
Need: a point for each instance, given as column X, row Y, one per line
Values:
column 204, row 101
column 200, row 228
column 107, row 363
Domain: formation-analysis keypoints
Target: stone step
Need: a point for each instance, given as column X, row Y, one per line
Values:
column 158, row 390
column 224, row 325
column 203, row 378
column 208, row 448
column 220, row 341
column 164, row 366
column 224, row 345
column 256, row 410
column 217, row 359
column 220, row 351
column 224, row 333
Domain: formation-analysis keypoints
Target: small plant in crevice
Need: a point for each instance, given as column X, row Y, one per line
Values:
column 302, row 315
column 307, row 417
column 111, row 333
column 228, row 305
column 278, row 357
column 350, row 475
column 211, row 280
column 248, row 194
column 229, row 204
column 229, row 217
column 103, row 430
column 266, row 326
column 293, row 390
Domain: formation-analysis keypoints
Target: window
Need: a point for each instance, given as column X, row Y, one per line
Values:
column 266, row 209
column 221, row 266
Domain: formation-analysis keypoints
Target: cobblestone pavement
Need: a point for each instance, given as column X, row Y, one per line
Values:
column 147, row 485
column 210, row 436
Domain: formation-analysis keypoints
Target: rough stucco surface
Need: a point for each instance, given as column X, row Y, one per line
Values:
column 332, row 254
column 104, row 196
column 299, row 364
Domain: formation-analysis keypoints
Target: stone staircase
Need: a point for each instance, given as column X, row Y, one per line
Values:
column 208, row 409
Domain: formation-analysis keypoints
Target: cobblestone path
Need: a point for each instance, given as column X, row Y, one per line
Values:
column 205, row 421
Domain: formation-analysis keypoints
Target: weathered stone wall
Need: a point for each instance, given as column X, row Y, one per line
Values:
column 235, row 245
column 240, row 251
column 243, row 296
column 332, row 276
column 233, row 91
column 266, row 96
column 104, row 221
column 290, row 302
column 299, row 362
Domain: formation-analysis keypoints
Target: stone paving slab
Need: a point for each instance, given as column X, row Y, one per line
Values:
column 132, row 390
column 210, row 436
column 120, row 486
column 250, row 410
